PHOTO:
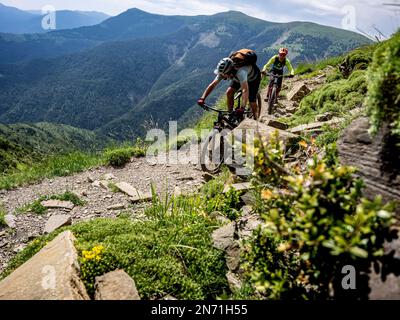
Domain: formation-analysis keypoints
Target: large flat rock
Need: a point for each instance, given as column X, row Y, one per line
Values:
column 377, row 159
column 134, row 194
column 298, row 92
column 56, row 222
column 57, row 204
column 384, row 283
column 224, row 236
column 52, row 274
column 245, row 186
column 272, row 122
column 316, row 126
column 9, row 219
column 251, row 128
column 116, row 285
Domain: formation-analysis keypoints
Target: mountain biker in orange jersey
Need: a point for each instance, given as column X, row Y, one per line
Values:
column 247, row 78
column 278, row 63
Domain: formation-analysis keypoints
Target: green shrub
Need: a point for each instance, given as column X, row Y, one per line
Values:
column 315, row 224
column 228, row 204
column 140, row 148
column 334, row 77
column 358, row 59
column 118, row 157
column 384, row 86
column 215, row 200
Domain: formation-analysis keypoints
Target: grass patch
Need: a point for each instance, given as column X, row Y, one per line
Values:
column 337, row 97
column 169, row 253
column 36, row 206
column 119, row 156
column 67, row 164
column 2, row 216
column 384, row 86
column 216, row 201
column 314, row 68
column 54, row 166
column 113, row 188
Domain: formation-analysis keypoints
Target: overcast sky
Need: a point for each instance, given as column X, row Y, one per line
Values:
column 361, row 14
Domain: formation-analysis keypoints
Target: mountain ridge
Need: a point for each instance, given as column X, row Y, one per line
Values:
column 155, row 77
column 14, row 20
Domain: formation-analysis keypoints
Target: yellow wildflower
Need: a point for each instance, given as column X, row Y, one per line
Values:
column 266, row 194
column 303, row 144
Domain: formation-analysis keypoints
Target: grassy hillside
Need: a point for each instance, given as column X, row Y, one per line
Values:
column 22, row 144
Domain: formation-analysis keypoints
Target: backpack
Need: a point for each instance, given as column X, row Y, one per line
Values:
column 244, row 57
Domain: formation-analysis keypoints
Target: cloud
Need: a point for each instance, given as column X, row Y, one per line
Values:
column 368, row 13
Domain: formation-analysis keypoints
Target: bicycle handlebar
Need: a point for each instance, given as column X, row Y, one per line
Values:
column 277, row 75
column 208, row 108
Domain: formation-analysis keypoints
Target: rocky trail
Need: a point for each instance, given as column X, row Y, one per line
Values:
column 91, row 187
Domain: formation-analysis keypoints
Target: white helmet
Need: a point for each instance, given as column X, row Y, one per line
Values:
column 224, row 66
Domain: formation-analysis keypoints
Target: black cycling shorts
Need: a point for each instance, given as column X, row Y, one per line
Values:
column 254, row 86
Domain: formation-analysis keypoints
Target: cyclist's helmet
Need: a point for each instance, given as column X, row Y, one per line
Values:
column 283, row 51
column 224, row 66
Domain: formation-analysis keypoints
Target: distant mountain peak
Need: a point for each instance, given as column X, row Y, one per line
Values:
column 137, row 10
column 232, row 13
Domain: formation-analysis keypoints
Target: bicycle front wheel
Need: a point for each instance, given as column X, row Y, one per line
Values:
column 212, row 153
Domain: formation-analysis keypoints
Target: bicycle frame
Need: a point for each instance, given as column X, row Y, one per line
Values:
column 223, row 121
column 275, row 78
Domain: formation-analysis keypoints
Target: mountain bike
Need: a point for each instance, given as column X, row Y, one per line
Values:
column 214, row 150
column 272, row 97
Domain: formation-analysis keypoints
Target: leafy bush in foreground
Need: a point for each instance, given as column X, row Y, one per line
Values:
column 315, row 225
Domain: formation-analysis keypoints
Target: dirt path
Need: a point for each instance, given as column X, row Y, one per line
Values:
column 140, row 174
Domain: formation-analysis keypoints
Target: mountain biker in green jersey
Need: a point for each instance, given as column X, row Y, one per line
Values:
column 278, row 63
column 247, row 78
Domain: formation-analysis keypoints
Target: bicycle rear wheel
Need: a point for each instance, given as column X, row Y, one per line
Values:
column 212, row 153
column 271, row 101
